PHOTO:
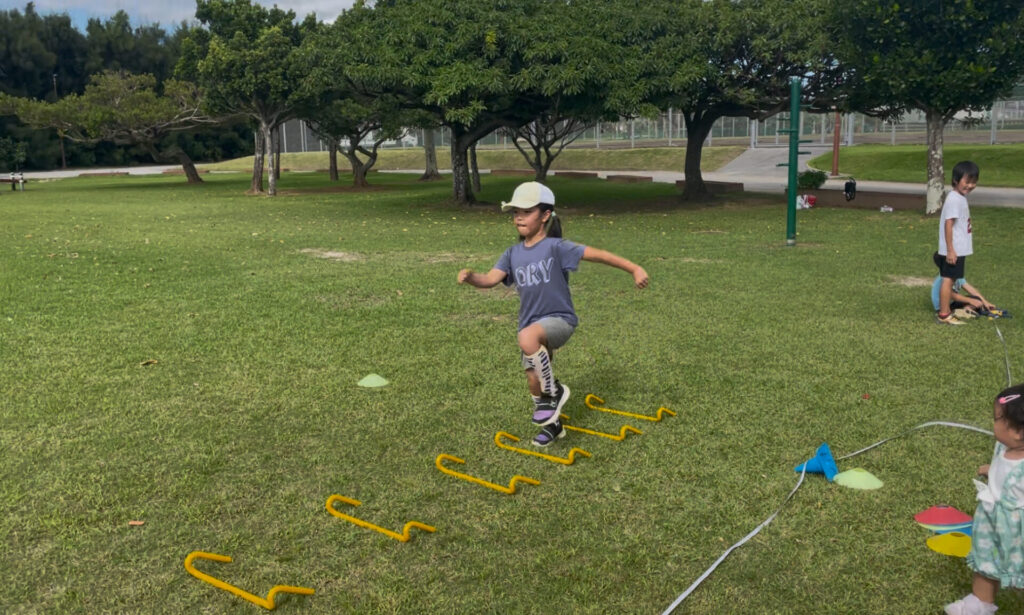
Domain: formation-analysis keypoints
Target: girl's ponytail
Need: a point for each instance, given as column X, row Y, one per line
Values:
column 554, row 225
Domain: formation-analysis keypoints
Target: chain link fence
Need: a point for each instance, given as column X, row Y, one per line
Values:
column 1003, row 123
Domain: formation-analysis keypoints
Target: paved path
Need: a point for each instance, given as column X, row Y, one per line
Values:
column 150, row 170
column 757, row 168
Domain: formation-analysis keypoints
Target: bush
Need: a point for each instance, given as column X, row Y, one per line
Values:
column 810, row 180
column 12, row 154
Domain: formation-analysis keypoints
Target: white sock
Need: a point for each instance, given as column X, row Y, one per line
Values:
column 974, row 604
column 540, row 363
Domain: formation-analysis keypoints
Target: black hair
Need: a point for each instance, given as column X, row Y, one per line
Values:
column 967, row 169
column 1011, row 402
column 554, row 228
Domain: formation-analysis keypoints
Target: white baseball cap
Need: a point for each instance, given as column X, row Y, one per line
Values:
column 529, row 194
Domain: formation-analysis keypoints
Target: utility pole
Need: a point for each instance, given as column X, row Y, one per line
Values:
column 60, row 133
column 835, row 145
column 794, row 152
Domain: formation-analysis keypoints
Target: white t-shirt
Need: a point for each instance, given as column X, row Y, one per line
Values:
column 956, row 207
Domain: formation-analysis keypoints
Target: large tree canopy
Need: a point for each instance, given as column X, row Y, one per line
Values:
column 729, row 58
column 474, row 65
column 245, row 63
column 44, row 57
column 123, row 109
column 455, row 59
column 942, row 57
column 578, row 73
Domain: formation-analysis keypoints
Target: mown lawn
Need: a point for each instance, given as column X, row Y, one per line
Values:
column 186, row 357
column 1001, row 165
column 639, row 159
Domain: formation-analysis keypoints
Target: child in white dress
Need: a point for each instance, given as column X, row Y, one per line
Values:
column 997, row 538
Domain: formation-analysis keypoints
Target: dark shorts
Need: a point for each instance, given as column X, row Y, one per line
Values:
column 949, row 271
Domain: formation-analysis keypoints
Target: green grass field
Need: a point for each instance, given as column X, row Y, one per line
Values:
column 1001, row 165
column 186, row 356
column 640, row 159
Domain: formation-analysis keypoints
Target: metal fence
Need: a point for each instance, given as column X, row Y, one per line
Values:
column 1003, row 123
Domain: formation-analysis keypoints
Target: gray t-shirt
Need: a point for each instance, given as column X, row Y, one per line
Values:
column 540, row 274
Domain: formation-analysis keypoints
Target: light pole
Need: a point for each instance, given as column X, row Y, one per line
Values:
column 60, row 134
column 835, row 144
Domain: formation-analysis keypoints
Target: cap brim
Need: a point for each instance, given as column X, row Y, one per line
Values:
column 516, row 205
column 522, row 205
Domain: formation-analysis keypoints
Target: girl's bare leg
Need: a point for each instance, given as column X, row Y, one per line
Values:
column 984, row 588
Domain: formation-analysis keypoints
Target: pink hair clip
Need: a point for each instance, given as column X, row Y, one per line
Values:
column 1008, row 398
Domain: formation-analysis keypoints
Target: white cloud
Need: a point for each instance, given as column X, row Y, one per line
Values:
column 167, row 14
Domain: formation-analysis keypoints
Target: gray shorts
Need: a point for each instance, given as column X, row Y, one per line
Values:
column 558, row 332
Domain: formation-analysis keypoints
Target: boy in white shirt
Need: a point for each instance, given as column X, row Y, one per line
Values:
column 955, row 242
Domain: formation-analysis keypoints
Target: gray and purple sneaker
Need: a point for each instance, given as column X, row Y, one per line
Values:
column 549, row 434
column 549, row 408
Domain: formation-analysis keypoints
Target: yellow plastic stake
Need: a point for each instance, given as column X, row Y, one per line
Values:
column 593, row 406
column 403, row 537
column 267, row 603
column 511, row 484
column 617, row 438
column 566, row 461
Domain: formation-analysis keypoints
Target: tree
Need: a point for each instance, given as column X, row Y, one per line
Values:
column 942, row 57
column 546, row 137
column 114, row 45
column 38, row 55
column 575, row 78
column 46, row 58
column 462, row 61
column 123, row 109
column 348, row 123
column 245, row 63
column 724, row 58
column 12, row 154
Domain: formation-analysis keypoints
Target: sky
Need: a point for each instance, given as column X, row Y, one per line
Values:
column 167, row 13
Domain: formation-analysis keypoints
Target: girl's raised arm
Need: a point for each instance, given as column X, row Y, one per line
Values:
column 481, row 280
column 595, row 255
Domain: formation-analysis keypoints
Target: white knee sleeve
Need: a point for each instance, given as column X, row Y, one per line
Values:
column 540, row 363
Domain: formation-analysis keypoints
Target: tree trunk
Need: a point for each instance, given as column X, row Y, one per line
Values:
column 187, row 166
column 697, row 130
column 359, row 176
column 268, row 140
column 475, row 168
column 359, row 167
column 546, row 161
column 461, row 192
column 332, row 154
column 177, row 154
column 277, row 151
column 191, row 173
column 256, row 187
column 430, row 152
column 936, row 183
column 358, row 171
column 535, row 160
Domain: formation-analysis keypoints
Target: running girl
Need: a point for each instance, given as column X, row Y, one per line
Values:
column 539, row 267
